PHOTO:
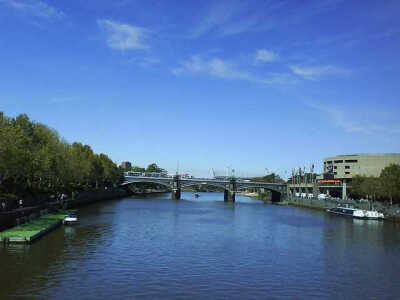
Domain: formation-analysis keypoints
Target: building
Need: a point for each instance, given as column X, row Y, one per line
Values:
column 126, row 165
column 345, row 167
column 338, row 172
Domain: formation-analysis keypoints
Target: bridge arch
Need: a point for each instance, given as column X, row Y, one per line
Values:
column 131, row 182
column 276, row 194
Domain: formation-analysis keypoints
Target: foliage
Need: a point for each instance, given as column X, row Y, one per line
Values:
column 34, row 159
column 268, row 178
column 390, row 181
column 386, row 186
column 154, row 168
column 137, row 169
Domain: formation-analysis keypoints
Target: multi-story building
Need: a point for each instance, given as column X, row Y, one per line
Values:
column 126, row 165
column 338, row 172
column 345, row 167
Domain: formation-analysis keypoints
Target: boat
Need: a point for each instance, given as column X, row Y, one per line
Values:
column 70, row 218
column 356, row 213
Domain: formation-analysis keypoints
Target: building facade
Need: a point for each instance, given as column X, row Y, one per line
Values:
column 126, row 165
column 348, row 166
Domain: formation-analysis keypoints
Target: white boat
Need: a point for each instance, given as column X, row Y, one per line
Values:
column 70, row 219
column 356, row 213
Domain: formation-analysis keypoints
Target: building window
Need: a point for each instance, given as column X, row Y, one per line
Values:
column 334, row 173
column 335, row 167
column 329, row 162
column 347, row 167
column 338, row 161
column 351, row 160
column 346, row 172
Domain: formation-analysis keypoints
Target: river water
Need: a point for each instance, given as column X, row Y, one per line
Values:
column 157, row 248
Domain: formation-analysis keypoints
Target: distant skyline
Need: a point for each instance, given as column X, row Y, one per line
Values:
column 254, row 85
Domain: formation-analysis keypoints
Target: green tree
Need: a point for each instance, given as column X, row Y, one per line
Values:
column 34, row 159
column 154, row 168
column 390, row 182
column 138, row 169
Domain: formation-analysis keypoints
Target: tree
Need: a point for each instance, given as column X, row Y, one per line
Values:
column 390, row 182
column 154, row 168
column 138, row 169
column 269, row 178
column 34, row 159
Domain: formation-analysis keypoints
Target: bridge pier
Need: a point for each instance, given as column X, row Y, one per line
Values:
column 229, row 196
column 176, row 194
column 176, row 188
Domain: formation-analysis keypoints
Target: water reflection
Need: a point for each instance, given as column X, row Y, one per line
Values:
column 156, row 247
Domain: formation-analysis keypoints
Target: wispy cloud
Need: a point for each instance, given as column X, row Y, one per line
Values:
column 226, row 17
column 35, row 8
column 221, row 68
column 58, row 100
column 124, row 36
column 351, row 122
column 316, row 72
column 263, row 55
column 229, row 17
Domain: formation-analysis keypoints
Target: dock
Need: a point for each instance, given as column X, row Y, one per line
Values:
column 31, row 231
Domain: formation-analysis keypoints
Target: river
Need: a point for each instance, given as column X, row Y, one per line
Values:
column 157, row 248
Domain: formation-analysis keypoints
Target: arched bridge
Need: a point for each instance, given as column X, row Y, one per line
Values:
column 230, row 186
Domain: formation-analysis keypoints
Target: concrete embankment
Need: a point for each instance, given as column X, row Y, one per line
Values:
column 87, row 197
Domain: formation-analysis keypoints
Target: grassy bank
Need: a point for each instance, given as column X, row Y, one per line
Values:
column 33, row 229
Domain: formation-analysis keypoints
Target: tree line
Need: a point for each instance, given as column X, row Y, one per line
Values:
column 34, row 159
column 275, row 178
column 151, row 168
column 384, row 187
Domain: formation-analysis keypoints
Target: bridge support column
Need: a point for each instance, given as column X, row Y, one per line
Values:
column 176, row 188
column 344, row 190
column 176, row 194
column 229, row 196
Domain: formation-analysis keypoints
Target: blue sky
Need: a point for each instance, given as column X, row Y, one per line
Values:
column 211, row 84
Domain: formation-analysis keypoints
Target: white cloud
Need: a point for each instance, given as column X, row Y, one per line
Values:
column 123, row 36
column 353, row 123
column 35, row 8
column 220, row 68
column 263, row 55
column 313, row 73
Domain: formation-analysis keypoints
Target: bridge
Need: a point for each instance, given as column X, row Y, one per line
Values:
column 230, row 186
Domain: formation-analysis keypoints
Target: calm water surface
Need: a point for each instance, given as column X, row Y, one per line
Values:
column 153, row 248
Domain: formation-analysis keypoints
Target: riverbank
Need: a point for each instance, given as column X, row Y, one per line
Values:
column 87, row 197
column 32, row 230
column 15, row 215
column 392, row 213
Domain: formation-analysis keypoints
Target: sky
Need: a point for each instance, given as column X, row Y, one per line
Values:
column 255, row 86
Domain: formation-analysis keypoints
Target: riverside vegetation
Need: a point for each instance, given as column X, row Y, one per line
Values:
column 384, row 187
column 35, row 160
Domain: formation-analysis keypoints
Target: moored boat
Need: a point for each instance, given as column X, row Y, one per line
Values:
column 70, row 218
column 356, row 213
